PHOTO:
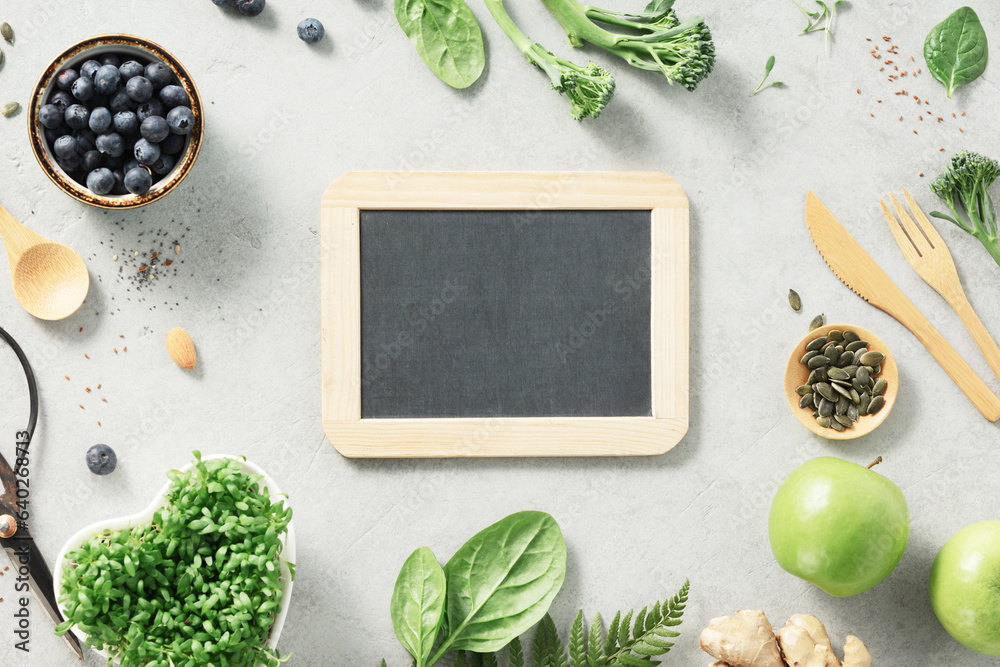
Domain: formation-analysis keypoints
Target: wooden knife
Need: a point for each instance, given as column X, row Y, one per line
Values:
column 856, row 269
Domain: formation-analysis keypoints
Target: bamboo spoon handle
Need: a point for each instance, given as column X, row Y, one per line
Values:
column 978, row 392
column 16, row 236
column 986, row 344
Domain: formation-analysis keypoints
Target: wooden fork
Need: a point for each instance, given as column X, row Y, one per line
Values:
column 927, row 253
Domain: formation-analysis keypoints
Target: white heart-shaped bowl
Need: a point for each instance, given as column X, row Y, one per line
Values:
column 287, row 554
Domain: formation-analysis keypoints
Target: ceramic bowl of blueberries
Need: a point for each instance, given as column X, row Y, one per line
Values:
column 116, row 121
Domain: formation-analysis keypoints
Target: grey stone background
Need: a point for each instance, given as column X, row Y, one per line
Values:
column 284, row 120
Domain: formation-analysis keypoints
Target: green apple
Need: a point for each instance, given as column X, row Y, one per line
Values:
column 965, row 587
column 838, row 525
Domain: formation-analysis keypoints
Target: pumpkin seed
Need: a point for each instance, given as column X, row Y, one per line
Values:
column 836, row 426
column 855, row 396
column 819, row 361
column 804, row 389
column 818, row 375
column 833, row 354
column 7, row 32
column 864, row 375
column 863, row 404
column 838, row 374
column 825, row 390
column 855, row 345
column 872, row 358
column 835, row 334
column 816, row 344
column 844, row 420
column 860, row 352
column 817, row 322
column 876, row 404
column 823, row 421
column 852, row 370
column 852, row 412
column 880, row 386
column 10, row 109
column 806, row 401
column 825, row 407
column 843, row 391
column 809, row 355
column 851, row 336
column 842, row 405
column 859, row 385
column 846, row 359
column 877, row 369
column 794, row 300
column 1, row 56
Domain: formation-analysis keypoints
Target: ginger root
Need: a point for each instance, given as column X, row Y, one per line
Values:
column 748, row 640
column 744, row 640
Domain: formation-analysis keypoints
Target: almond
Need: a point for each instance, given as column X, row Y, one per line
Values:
column 181, row 348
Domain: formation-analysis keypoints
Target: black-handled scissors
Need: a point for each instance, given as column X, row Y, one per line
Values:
column 15, row 535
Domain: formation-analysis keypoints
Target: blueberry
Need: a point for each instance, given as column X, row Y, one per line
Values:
column 100, row 181
column 92, row 160
column 139, row 88
column 61, row 99
column 65, row 147
column 77, row 116
column 173, row 144
column 113, row 163
column 138, row 180
column 130, row 69
column 146, row 153
column 181, row 120
column 52, row 135
column 311, row 30
column 84, row 89
column 224, row 3
column 107, row 78
column 174, row 96
column 101, row 459
column 126, row 122
column 85, row 141
column 120, row 101
column 154, row 129
column 111, row 143
column 163, row 166
column 250, row 7
column 111, row 59
column 65, row 79
column 100, row 120
column 119, row 187
column 50, row 116
column 154, row 107
column 159, row 74
column 89, row 69
column 69, row 164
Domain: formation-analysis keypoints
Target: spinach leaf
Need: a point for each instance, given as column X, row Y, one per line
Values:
column 502, row 581
column 956, row 50
column 418, row 604
column 447, row 36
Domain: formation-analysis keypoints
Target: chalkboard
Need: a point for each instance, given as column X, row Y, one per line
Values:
column 504, row 314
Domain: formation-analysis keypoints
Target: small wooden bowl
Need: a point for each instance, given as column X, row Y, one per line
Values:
column 122, row 45
column 796, row 375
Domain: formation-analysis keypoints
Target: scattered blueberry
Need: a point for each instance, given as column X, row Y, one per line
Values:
column 163, row 166
column 107, row 78
column 65, row 79
column 65, row 147
column 101, row 459
column 174, row 96
column 100, row 120
column 62, row 99
column 146, row 153
column 138, row 181
column 120, row 101
column 126, row 122
column 181, row 120
column 154, row 129
column 311, row 31
column 111, row 59
column 111, row 144
column 50, row 116
column 84, row 89
column 159, row 74
column 77, row 116
column 92, row 160
column 173, row 144
column 153, row 107
column 250, row 7
column 139, row 88
column 89, row 68
column 130, row 69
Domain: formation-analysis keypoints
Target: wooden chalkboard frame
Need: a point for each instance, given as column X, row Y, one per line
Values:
column 502, row 436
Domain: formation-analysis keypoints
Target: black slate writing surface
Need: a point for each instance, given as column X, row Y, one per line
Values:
column 505, row 313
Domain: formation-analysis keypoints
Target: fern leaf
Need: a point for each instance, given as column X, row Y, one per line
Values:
column 554, row 652
column 515, row 654
column 650, row 641
column 623, row 630
column 629, row 660
column 640, row 623
column 594, row 641
column 577, row 643
column 611, row 644
column 539, row 650
column 489, row 660
column 653, row 617
column 383, row 662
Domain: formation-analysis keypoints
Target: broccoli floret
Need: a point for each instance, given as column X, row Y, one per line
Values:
column 683, row 52
column 589, row 88
column 964, row 186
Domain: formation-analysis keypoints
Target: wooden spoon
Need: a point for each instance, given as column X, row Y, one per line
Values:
column 796, row 375
column 50, row 279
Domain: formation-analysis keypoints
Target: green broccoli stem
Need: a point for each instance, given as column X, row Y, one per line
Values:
column 535, row 54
